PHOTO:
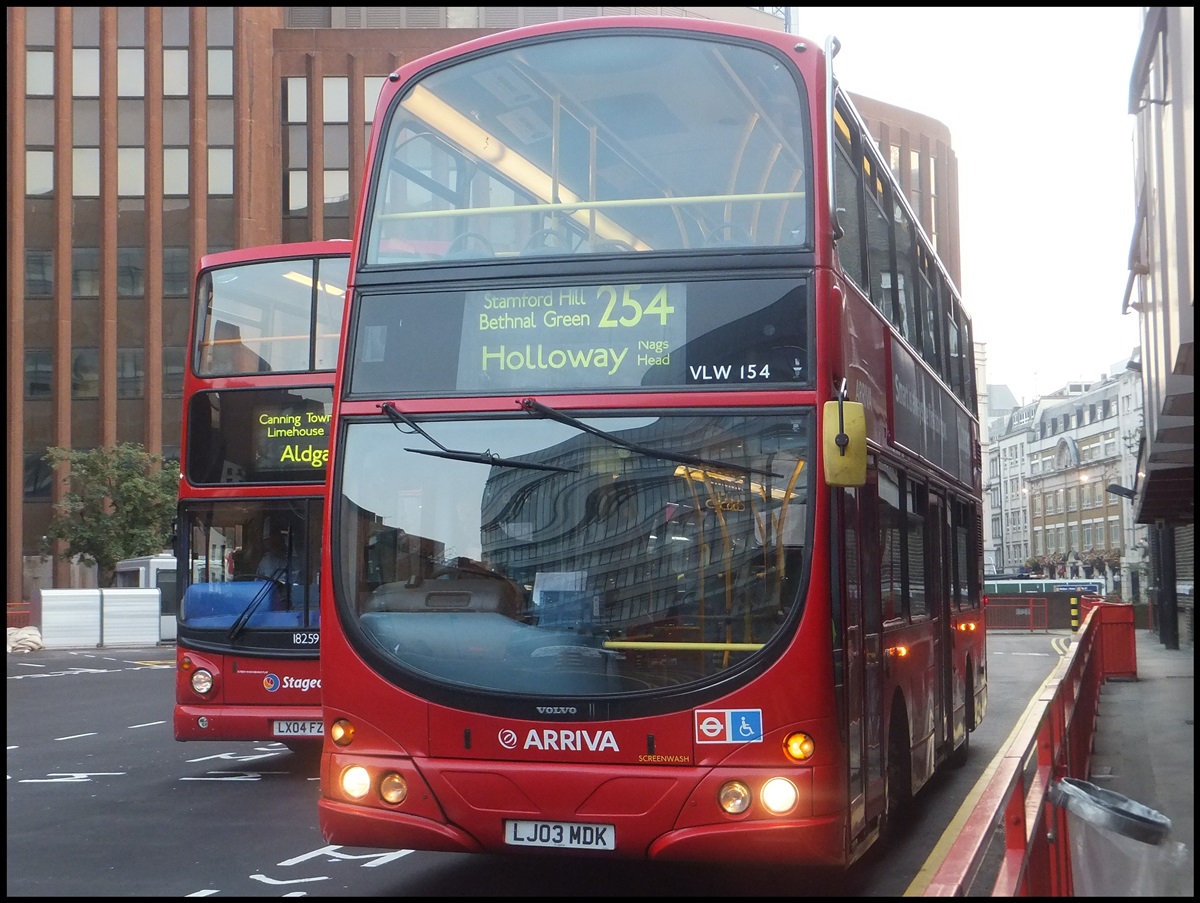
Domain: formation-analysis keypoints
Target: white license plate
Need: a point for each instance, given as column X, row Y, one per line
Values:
column 299, row 728
column 564, row 835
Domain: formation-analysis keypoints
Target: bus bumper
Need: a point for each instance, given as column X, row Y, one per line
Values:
column 284, row 724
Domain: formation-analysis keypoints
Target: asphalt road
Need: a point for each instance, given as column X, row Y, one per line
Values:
column 102, row 801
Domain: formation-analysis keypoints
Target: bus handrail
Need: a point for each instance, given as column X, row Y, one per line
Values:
column 589, row 205
column 686, row 647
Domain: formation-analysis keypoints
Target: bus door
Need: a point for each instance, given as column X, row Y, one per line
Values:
column 847, row 612
column 873, row 698
column 861, row 640
column 939, row 569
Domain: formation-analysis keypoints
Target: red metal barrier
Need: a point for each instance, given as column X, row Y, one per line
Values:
column 19, row 614
column 1052, row 742
column 1118, row 639
column 1017, row 613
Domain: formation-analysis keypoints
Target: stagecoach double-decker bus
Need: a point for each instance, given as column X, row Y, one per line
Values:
column 258, row 394
column 654, row 506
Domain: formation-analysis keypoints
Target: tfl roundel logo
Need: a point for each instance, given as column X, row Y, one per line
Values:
column 270, row 683
column 729, row 725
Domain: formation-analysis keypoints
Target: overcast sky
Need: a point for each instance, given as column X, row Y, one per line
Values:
column 1047, row 211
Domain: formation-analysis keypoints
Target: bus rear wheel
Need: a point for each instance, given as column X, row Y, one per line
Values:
column 958, row 758
column 899, row 772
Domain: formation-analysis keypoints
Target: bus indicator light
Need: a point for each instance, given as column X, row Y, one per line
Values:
column 799, row 746
column 342, row 732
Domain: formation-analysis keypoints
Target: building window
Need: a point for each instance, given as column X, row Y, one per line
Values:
column 297, row 192
column 372, row 85
column 131, row 172
column 39, row 73
column 336, row 98
column 337, row 186
column 176, row 27
column 175, row 72
column 172, row 371
column 220, row 73
column 85, row 373
column 131, row 123
column 295, row 119
column 220, row 171
column 39, row 123
column 131, row 27
column 175, row 171
column 177, row 272
column 131, row 272
column 39, row 273
column 85, row 272
column 131, row 373
column 131, row 73
column 38, row 476
column 39, row 26
column 85, row 172
column 39, row 373
column 85, row 26
column 85, row 72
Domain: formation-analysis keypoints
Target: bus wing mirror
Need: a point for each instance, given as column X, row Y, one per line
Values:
column 844, row 443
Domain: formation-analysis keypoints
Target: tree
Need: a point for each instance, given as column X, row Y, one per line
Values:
column 120, row 503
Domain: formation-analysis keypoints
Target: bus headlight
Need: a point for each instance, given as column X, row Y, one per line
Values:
column 734, row 797
column 356, row 782
column 779, row 795
column 202, row 682
column 393, row 788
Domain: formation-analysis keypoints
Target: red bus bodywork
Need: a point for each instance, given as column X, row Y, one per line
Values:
column 443, row 770
column 254, row 690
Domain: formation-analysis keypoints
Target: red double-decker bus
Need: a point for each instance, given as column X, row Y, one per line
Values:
column 258, row 394
column 654, row 503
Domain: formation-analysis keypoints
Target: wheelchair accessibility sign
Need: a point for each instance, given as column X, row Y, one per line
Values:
column 729, row 726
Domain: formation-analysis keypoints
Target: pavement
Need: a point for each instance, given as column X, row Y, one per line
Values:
column 1144, row 749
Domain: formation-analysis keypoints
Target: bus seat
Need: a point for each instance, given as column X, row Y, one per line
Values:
column 493, row 595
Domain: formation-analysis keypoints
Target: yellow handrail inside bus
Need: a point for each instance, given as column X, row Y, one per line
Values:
column 584, row 205
column 684, row 647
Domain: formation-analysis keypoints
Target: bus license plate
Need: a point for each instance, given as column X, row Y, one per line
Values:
column 299, row 728
column 564, row 835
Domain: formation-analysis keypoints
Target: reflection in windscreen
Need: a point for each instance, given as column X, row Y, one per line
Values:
column 529, row 555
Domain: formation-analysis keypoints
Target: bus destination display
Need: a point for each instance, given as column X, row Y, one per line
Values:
column 569, row 336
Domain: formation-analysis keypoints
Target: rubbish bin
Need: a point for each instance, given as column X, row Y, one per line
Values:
column 1119, row 848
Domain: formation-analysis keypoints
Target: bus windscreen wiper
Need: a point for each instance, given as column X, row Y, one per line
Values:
column 244, row 618
column 533, row 406
column 484, row 457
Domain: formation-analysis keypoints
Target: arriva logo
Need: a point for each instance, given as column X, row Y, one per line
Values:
column 571, row 740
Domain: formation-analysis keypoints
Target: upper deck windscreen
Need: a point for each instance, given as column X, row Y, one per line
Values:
column 623, row 141
column 270, row 316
